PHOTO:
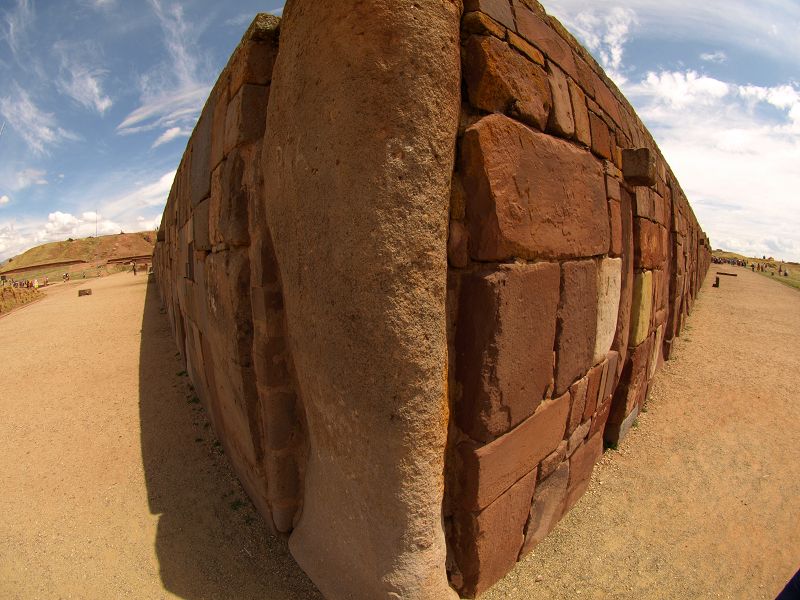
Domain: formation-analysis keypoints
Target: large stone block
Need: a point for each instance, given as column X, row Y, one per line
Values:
column 489, row 470
column 488, row 543
column 543, row 36
column 577, row 318
column 547, row 507
column 580, row 112
column 202, row 241
column 593, row 389
column 639, row 166
column 504, row 346
column 562, row 121
column 601, row 137
column 581, row 465
column 499, row 10
column 501, row 80
column 246, row 116
column 642, row 307
column 531, row 195
column 200, row 169
column 252, row 63
column 609, row 287
column 615, row 216
column 650, row 252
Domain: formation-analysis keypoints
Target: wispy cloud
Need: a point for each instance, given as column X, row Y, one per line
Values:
column 172, row 94
column 171, row 134
column 17, row 22
column 79, row 78
column 39, row 129
column 605, row 34
column 715, row 57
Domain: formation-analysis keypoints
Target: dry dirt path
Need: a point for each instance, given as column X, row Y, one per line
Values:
column 702, row 500
column 113, row 486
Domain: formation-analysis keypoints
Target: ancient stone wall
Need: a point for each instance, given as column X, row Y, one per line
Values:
column 422, row 261
column 574, row 260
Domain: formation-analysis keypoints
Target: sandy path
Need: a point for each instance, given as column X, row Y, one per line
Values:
column 703, row 498
column 113, row 485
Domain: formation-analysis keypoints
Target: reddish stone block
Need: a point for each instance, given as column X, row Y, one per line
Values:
column 527, row 49
column 540, row 34
column 504, row 344
column 639, row 166
column 577, row 318
column 200, row 162
column 457, row 245
column 520, row 205
column 252, row 63
column 616, row 227
column 246, row 118
column 561, row 121
column 650, row 252
column 613, row 190
column 501, row 80
column 580, row 112
column 601, row 136
column 612, row 375
column 593, row 389
column 479, row 23
column 221, row 98
column 486, row 544
column 600, row 419
column 547, row 507
column 581, row 465
column 229, row 208
column 499, row 10
column 644, row 207
column 202, row 241
column 488, row 471
column 552, row 461
column 577, row 394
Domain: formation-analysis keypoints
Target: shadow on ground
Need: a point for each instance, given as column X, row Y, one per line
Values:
column 210, row 543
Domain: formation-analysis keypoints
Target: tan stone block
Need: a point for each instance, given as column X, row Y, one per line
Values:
column 642, row 307
column 583, row 127
column 561, row 120
column 577, row 392
column 539, row 33
column 601, row 136
column 609, row 287
column 488, row 543
column 479, row 23
column 489, row 470
column 527, row 49
column 252, row 63
column 501, row 80
column 518, row 203
column 499, row 10
column 547, row 507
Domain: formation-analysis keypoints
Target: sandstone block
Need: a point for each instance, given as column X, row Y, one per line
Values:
column 561, row 120
column 531, row 27
column 518, row 202
column 457, row 245
column 503, row 344
column 613, row 187
column 581, row 465
column 487, row 544
column 199, row 165
column 481, row 24
column 644, row 206
column 583, row 127
column 501, row 80
column 527, row 49
column 489, row 470
column 577, row 437
column 639, row 166
column 202, row 241
column 615, row 215
column 600, row 419
column 219, row 116
column 642, row 307
column 612, row 375
column 601, row 137
column 577, row 318
column 246, row 116
column 547, row 507
column 577, row 392
column 593, row 395
column 553, row 461
column 609, row 286
column 650, row 252
column 252, row 63
column 499, row 10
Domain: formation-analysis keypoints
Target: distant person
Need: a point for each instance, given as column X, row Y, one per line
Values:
column 36, row 284
column 134, row 269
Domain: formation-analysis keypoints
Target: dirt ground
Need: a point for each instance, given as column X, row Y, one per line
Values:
column 114, row 486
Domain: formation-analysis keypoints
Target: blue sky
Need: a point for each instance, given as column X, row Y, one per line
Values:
column 99, row 97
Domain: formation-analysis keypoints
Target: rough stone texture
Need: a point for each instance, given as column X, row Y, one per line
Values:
column 499, row 10
column 364, row 104
column 639, row 166
column 581, row 465
column 577, row 322
column 642, row 307
column 487, row 544
column 518, row 205
column 562, row 121
column 547, row 507
column 504, row 346
column 609, row 287
column 491, row 469
column 500, row 80
column 583, row 127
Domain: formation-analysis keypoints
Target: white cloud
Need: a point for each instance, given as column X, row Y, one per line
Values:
column 171, row 134
column 173, row 94
column 4, row 200
column 278, row 12
column 78, row 78
column 39, row 129
column 17, row 24
column 605, row 35
column 716, row 57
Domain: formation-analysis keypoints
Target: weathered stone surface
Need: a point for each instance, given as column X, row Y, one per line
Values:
column 540, row 34
column 594, row 380
column 481, row 24
column 202, row 241
column 561, row 121
column 527, row 49
column 600, row 419
column 490, row 470
column 583, row 127
column 650, row 251
column 200, row 172
column 458, row 245
column 518, row 204
column 246, row 116
column 499, row 10
column 547, row 507
column 488, row 543
column 577, row 438
column 639, row 166
column 581, row 465
column 642, row 307
column 552, row 461
column 333, row 135
column 601, row 136
column 501, row 80
column 253, row 63
column 615, row 214
column 609, row 287
column 577, row 394
column 577, row 318
column 504, row 344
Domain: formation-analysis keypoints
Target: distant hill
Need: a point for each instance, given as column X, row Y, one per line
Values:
column 91, row 251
